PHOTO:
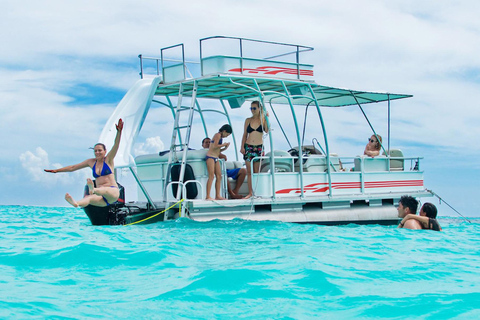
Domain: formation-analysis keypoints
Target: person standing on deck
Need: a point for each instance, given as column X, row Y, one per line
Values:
column 213, row 166
column 237, row 174
column 252, row 141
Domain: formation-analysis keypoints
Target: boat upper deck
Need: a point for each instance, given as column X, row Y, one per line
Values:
column 244, row 77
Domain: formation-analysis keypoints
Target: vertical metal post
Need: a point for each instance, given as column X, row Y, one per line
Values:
column 298, row 62
column 183, row 63
column 241, row 55
column 388, row 95
column 163, row 67
column 388, row 148
column 272, row 156
column 141, row 66
column 326, row 141
column 201, row 57
column 300, row 149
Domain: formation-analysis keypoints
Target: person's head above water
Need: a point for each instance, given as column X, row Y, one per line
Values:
column 406, row 205
column 428, row 209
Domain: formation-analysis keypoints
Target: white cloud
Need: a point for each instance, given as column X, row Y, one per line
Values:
column 151, row 145
column 35, row 162
column 428, row 48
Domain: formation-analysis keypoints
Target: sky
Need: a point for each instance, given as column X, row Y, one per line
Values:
column 64, row 66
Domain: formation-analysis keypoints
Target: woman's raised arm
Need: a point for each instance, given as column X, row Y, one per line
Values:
column 113, row 152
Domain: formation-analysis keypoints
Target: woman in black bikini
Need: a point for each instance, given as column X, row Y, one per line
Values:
column 427, row 217
column 213, row 166
column 107, row 191
column 252, row 141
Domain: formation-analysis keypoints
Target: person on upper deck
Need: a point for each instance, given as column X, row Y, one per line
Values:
column 252, row 140
column 427, row 217
column 408, row 205
column 372, row 149
column 213, row 166
column 106, row 191
column 237, row 174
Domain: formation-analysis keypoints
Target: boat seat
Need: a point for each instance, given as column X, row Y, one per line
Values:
column 396, row 164
column 195, row 158
column 281, row 165
column 318, row 163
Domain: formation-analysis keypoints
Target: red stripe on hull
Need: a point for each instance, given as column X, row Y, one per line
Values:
column 323, row 187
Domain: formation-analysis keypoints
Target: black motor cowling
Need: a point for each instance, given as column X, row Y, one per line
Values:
column 109, row 215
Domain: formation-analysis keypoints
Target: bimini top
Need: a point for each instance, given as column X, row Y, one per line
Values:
column 228, row 87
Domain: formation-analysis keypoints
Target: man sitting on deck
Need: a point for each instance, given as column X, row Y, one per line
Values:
column 408, row 205
column 237, row 174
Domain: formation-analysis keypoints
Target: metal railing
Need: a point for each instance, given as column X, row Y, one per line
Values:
column 298, row 49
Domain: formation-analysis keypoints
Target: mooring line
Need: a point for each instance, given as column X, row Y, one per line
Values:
column 439, row 198
column 153, row 216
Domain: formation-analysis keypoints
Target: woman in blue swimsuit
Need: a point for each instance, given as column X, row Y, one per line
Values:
column 106, row 191
column 213, row 166
column 252, row 141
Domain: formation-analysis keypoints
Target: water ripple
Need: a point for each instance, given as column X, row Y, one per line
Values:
column 56, row 265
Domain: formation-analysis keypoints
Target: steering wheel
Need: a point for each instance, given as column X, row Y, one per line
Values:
column 294, row 153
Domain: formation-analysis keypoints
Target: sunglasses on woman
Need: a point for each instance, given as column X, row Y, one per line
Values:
column 253, row 108
column 371, row 140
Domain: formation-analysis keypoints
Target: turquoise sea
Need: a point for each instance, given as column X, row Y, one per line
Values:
column 55, row 265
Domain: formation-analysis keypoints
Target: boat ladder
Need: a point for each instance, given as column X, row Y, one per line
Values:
column 179, row 144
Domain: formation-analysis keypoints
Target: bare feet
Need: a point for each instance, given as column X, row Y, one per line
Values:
column 209, row 198
column 248, row 196
column 70, row 200
column 220, row 198
column 233, row 195
column 90, row 186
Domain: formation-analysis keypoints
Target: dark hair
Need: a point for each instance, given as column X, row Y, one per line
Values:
column 409, row 202
column 100, row 144
column 226, row 127
column 430, row 210
column 205, row 139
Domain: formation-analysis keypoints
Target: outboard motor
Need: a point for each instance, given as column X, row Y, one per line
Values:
column 109, row 215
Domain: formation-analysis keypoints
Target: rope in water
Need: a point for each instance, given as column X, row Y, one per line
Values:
column 179, row 209
column 439, row 198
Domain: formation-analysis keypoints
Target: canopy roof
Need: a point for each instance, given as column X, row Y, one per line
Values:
column 226, row 87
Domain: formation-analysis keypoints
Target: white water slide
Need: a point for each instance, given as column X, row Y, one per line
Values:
column 132, row 109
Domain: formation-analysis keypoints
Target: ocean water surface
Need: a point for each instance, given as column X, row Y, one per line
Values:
column 54, row 264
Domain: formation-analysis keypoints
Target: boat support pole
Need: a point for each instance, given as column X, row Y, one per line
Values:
column 272, row 155
column 388, row 143
column 142, row 187
column 300, row 147
column 329, row 170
